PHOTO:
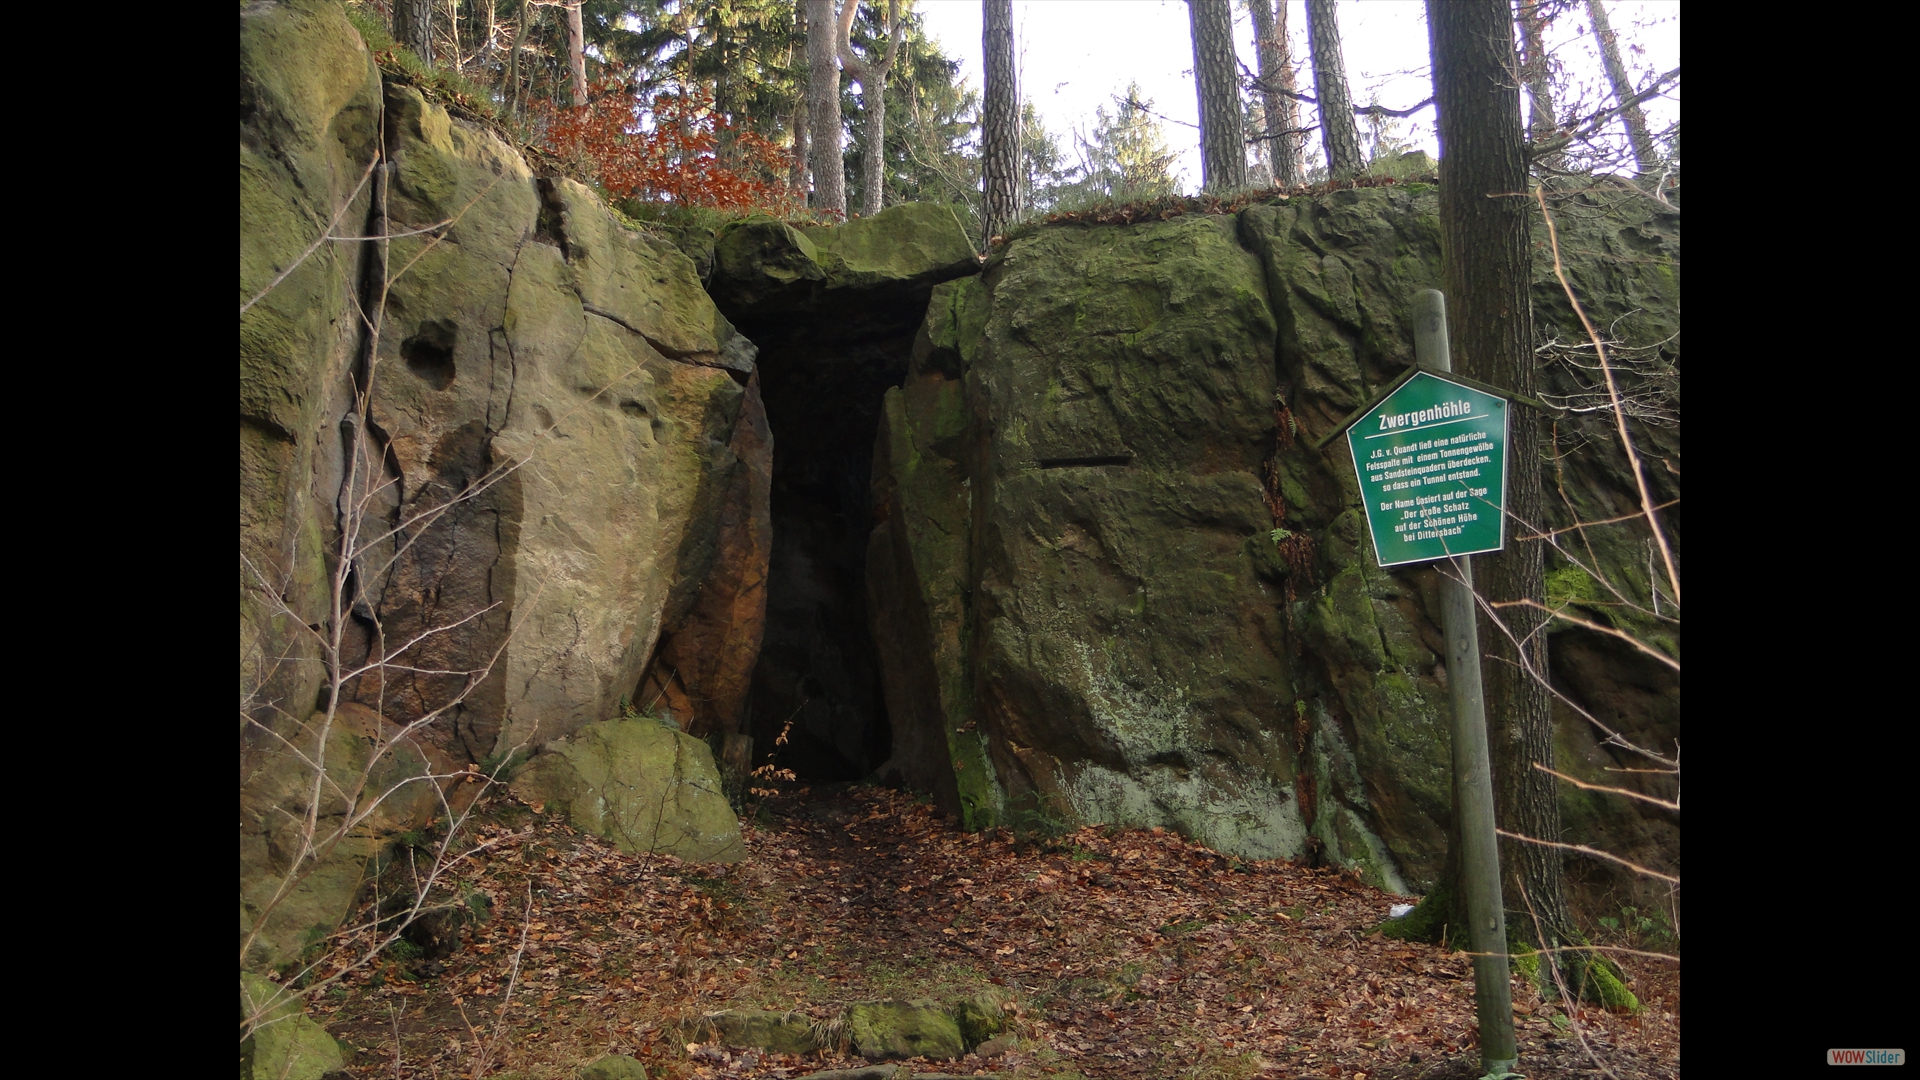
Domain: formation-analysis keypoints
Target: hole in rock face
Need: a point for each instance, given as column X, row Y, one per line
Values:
column 823, row 376
column 429, row 354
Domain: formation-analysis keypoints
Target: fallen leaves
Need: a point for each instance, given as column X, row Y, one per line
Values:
column 1130, row 953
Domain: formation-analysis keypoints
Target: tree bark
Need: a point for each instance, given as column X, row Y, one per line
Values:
column 1535, row 70
column 577, row 53
column 797, row 173
column 1223, row 139
column 413, row 27
column 823, row 109
column 873, row 88
column 1276, row 75
column 1000, row 120
column 1484, row 220
column 513, row 60
column 1339, row 135
column 1645, row 154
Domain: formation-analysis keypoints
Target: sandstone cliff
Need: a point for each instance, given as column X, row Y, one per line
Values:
column 1045, row 539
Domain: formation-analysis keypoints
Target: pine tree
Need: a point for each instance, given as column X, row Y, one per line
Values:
column 1645, row 153
column 413, row 27
column 1000, row 120
column 823, row 110
column 1281, row 111
column 1484, row 228
column 1338, row 134
column 1223, row 142
column 872, row 76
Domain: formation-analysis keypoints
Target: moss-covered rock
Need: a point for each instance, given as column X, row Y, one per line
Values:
column 284, row 1043
column 640, row 784
column 771, row 266
column 1131, row 663
column 1165, row 603
column 295, row 887
column 981, row 1016
column 884, row 1030
column 742, row 1029
column 309, row 130
column 614, row 1067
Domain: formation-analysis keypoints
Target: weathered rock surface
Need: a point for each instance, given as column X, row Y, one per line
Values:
column 560, row 436
column 703, row 669
column 885, row 1030
column 1072, row 575
column 772, row 267
column 309, row 129
column 295, row 887
column 1127, row 658
column 835, row 309
column 642, row 785
column 565, row 379
column 760, row 1029
column 285, row 1044
column 614, row 1067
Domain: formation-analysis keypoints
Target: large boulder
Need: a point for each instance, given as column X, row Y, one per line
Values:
column 309, row 132
column 558, row 440
column 641, row 784
column 557, row 397
column 889, row 1030
column 774, row 267
column 298, row 881
column 282, row 1043
column 1130, row 660
column 1111, row 561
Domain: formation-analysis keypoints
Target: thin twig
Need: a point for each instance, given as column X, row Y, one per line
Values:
column 1595, row 852
column 1561, row 614
column 1584, row 786
column 326, row 234
column 1571, row 1006
column 1613, row 391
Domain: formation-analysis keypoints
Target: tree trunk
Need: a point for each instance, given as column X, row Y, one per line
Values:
column 823, row 109
column 513, row 59
column 1223, row 139
column 413, row 27
column 1339, row 135
column 797, row 173
column 1535, row 70
column 1645, row 154
column 577, row 53
column 1000, row 120
column 1276, row 75
column 873, row 88
column 1484, row 218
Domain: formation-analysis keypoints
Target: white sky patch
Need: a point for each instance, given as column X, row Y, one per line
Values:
column 1076, row 55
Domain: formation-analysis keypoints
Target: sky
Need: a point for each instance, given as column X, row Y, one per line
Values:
column 1075, row 55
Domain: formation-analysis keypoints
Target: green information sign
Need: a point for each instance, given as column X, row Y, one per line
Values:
column 1432, row 463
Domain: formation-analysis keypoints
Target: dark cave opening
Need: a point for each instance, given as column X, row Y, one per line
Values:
column 823, row 375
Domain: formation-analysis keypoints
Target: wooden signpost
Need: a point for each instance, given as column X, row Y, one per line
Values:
column 1430, row 455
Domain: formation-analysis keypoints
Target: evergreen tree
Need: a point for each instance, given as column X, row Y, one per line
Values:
column 871, row 72
column 1645, row 153
column 1280, row 113
column 1338, row 134
column 413, row 27
column 1488, row 270
column 1223, row 143
column 1126, row 156
column 1000, row 119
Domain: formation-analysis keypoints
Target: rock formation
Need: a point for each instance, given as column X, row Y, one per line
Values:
column 1047, row 539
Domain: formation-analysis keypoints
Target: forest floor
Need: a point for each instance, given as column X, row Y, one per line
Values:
column 1125, row 952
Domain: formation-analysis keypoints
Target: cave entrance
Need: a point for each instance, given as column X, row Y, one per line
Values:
column 824, row 372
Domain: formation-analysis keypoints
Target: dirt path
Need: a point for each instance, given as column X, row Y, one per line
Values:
column 1127, row 953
